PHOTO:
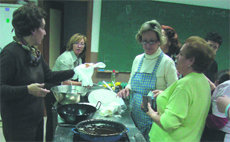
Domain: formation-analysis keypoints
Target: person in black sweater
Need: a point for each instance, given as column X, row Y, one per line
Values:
column 215, row 41
column 23, row 75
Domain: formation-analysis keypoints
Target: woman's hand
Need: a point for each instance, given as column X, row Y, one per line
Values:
column 123, row 93
column 212, row 85
column 154, row 115
column 151, row 113
column 37, row 90
column 222, row 103
column 156, row 93
column 71, row 82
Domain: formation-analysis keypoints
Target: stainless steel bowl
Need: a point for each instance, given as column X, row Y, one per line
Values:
column 67, row 94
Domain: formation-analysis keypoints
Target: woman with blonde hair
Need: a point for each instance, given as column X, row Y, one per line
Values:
column 73, row 56
column 150, row 71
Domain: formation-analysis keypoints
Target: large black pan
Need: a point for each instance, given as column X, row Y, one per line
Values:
column 99, row 130
column 74, row 113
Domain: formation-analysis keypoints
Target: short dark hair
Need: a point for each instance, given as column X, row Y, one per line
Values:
column 198, row 48
column 26, row 19
column 213, row 36
column 223, row 76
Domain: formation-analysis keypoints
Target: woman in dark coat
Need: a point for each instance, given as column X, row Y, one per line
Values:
column 22, row 78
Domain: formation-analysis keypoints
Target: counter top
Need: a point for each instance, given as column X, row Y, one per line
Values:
column 65, row 134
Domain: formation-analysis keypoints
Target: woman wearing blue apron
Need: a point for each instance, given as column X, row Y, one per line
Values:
column 152, row 70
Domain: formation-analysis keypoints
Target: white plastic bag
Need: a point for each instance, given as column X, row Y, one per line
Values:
column 84, row 72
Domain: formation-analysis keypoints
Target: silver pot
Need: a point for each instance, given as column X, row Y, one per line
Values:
column 67, row 94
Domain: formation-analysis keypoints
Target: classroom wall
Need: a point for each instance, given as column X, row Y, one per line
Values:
column 100, row 76
column 55, row 36
column 6, row 13
column 96, row 25
column 75, row 19
column 223, row 4
column 125, row 76
column 78, row 24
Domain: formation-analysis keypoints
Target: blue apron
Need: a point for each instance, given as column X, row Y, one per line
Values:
column 141, row 84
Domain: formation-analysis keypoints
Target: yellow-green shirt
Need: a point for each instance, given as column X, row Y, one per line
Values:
column 183, row 108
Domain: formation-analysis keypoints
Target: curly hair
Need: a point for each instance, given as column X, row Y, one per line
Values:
column 152, row 25
column 27, row 19
column 198, row 48
column 213, row 36
column 172, row 36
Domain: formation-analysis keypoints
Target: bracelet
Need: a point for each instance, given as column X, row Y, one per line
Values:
column 226, row 110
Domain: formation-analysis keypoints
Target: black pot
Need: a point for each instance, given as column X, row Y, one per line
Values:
column 74, row 113
column 98, row 130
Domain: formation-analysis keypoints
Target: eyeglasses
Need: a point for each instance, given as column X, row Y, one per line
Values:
column 80, row 44
column 149, row 42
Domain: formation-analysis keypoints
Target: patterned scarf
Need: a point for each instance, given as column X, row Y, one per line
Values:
column 35, row 53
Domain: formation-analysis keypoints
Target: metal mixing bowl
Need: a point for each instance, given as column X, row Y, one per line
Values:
column 67, row 94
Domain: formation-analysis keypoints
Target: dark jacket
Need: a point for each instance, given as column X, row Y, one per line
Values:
column 212, row 71
column 22, row 112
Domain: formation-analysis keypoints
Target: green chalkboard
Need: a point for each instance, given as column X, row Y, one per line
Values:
column 120, row 21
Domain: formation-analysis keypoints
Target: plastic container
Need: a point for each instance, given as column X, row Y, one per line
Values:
column 113, row 77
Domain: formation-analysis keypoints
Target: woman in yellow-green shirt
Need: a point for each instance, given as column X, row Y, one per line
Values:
column 183, row 107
